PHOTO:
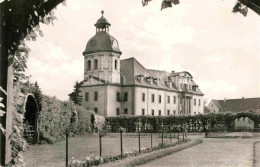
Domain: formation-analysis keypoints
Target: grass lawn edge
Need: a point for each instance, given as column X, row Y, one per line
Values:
column 147, row 157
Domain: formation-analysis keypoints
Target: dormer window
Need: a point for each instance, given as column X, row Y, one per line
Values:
column 140, row 77
column 194, row 87
column 169, row 84
column 156, row 81
column 149, row 79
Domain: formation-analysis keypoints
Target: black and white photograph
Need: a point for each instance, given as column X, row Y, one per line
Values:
column 114, row 83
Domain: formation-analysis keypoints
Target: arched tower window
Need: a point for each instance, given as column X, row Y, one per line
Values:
column 89, row 65
column 115, row 64
column 96, row 64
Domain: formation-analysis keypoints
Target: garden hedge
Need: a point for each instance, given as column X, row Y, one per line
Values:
column 211, row 122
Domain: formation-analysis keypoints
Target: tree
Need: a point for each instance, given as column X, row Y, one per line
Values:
column 38, row 95
column 76, row 96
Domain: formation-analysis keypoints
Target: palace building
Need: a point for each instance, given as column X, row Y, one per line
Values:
column 112, row 86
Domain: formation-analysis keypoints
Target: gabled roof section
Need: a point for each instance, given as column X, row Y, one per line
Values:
column 237, row 105
column 92, row 80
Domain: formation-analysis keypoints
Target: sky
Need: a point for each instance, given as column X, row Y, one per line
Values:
column 219, row 48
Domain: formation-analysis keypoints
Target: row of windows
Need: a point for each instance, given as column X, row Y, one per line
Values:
column 96, row 64
column 143, row 98
column 159, row 112
column 159, row 98
column 195, row 102
column 95, row 96
column 118, row 111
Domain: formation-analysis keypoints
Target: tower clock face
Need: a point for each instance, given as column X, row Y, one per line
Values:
column 114, row 43
column 92, row 43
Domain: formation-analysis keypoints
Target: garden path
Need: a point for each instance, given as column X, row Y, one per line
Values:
column 213, row 152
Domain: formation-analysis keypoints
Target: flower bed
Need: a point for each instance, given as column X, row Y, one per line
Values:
column 97, row 160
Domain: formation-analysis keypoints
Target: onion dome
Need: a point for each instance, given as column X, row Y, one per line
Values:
column 102, row 41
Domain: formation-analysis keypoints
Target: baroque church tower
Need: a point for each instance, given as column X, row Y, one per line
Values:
column 102, row 54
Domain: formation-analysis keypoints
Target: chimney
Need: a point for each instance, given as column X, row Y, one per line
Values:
column 173, row 72
column 225, row 100
column 243, row 98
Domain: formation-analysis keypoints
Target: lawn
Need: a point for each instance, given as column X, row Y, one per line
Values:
column 86, row 145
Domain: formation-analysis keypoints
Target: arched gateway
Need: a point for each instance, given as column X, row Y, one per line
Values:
column 31, row 133
column 247, row 119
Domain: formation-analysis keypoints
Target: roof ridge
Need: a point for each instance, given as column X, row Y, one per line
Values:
column 239, row 99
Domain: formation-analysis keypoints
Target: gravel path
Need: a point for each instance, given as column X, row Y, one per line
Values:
column 212, row 153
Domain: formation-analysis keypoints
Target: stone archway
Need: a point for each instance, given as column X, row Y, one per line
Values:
column 31, row 133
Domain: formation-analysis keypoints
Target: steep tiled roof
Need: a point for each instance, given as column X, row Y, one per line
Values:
column 237, row 105
column 217, row 104
column 131, row 68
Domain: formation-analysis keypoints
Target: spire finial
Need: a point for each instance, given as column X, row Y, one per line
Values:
column 102, row 12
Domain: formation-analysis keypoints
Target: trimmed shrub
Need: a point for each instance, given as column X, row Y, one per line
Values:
column 57, row 116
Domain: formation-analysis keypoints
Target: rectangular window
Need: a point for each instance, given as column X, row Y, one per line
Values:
column 174, row 99
column 199, row 102
column 194, row 113
column 168, row 112
column 169, row 99
column 194, row 102
column 152, row 98
column 125, row 111
column 143, row 111
column 152, row 112
column 95, row 96
column 143, row 96
column 126, row 96
column 117, row 96
column 117, row 111
column 180, row 100
column 96, row 110
column 86, row 96
column 160, row 112
column 160, row 98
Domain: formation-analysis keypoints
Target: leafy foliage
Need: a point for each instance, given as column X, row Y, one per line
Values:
column 240, row 7
column 2, row 112
column 55, row 119
column 212, row 121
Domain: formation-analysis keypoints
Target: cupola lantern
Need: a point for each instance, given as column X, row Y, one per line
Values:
column 102, row 24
